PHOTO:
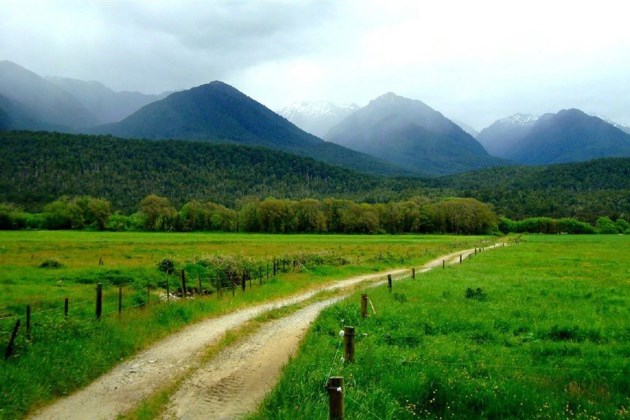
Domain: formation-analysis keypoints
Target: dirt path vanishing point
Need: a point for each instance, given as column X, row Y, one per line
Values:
column 121, row 389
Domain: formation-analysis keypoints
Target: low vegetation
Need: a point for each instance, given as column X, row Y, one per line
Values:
column 535, row 330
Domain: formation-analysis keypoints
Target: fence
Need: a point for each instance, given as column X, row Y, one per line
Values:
column 111, row 300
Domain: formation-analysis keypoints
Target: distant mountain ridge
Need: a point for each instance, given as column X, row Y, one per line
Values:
column 218, row 112
column 504, row 134
column 317, row 117
column 567, row 136
column 105, row 104
column 411, row 134
column 38, row 101
column 34, row 102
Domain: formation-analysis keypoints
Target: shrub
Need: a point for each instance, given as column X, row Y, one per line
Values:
column 51, row 263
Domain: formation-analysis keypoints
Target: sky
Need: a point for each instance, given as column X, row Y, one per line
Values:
column 474, row 61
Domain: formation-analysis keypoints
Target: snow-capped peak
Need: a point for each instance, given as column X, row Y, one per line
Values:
column 315, row 109
column 317, row 117
column 520, row 119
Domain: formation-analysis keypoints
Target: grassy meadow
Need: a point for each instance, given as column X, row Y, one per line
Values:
column 62, row 354
column 536, row 330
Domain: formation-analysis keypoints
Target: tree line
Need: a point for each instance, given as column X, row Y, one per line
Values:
column 331, row 215
column 271, row 215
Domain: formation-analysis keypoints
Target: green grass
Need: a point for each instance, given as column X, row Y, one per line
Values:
column 537, row 330
column 61, row 355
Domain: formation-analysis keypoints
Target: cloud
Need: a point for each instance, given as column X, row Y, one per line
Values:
column 474, row 61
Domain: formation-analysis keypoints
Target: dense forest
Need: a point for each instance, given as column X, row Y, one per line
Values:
column 40, row 167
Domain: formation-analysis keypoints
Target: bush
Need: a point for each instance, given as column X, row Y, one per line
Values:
column 167, row 266
column 606, row 226
column 51, row 263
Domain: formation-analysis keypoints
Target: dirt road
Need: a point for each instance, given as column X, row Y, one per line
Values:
column 127, row 384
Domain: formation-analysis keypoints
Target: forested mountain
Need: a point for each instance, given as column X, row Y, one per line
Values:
column 102, row 102
column 39, row 102
column 568, row 136
column 218, row 112
column 585, row 190
column 317, row 118
column 39, row 167
column 411, row 134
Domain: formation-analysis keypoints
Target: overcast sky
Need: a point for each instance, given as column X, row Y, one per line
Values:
column 475, row 61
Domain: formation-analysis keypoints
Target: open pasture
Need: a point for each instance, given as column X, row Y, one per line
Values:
column 536, row 330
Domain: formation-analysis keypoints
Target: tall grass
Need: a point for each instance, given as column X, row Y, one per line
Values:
column 540, row 329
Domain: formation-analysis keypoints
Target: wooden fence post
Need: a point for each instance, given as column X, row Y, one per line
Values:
column 460, row 258
column 364, row 304
column 348, row 344
column 9, row 350
column 183, row 283
column 28, row 319
column 389, row 282
column 65, row 307
column 99, row 300
column 443, row 263
column 120, row 299
column 413, row 273
column 335, row 398
column 243, row 281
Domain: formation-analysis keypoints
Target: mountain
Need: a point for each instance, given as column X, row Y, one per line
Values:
column 622, row 127
column 40, row 103
column 568, row 136
column 218, row 112
column 503, row 135
column 467, row 128
column 102, row 102
column 409, row 133
column 317, row 117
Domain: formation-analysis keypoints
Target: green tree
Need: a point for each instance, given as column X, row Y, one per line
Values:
column 159, row 213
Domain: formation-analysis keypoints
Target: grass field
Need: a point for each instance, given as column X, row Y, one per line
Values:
column 61, row 355
column 536, row 330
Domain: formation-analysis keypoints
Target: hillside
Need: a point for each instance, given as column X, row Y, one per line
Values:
column 41, row 103
column 411, row 134
column 585, row 190
column 217, row 112
column 500, row 138
column 40, row 167
column 105, row 104
column 568, row 136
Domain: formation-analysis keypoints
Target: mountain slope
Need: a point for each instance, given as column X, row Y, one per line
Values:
column 39, row 167
column 503, row 135
column 105, row 104
column 218, row 112
column 44, row 102
column 411, row 134
column 317, row 117
column 570, row 136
